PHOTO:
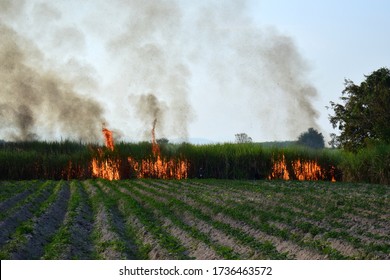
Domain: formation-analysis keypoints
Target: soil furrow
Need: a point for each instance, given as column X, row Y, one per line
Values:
column 45, row 226
column 81, row 246
column 9, row 189
column 8, row 226
column 111, row 229
column 292, row 228
column 217, row 236
column 74, row 240
column 193, row 219
column 11, row 202
column 197, row 249
column 283, row 246
column 151, row 249
column 177, row 250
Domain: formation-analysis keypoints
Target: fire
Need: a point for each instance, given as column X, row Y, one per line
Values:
column 155, row 146
column 157, row 166
column 109, row 141
column 308, row 170
column 301, row 170
column 160, row 168
column 106, row 169
column 279, row 170
column 108, row 166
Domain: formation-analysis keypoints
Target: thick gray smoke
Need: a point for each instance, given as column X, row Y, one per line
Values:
column 146, row 60
column 152, row 59
column 258, row 69
column 148, row 108
column 166, row 46
column 35, row 101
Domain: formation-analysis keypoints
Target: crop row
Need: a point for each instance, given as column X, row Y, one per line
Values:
column 193, row 219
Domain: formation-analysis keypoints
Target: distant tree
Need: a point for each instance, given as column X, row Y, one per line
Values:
column 162, row 141
column 334, row 141
column 364, row 115
column 243, row 138
column 312, row 138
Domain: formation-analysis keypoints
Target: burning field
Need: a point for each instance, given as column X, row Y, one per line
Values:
column 71, row 160
column 68, row 66
column 193, row 219
column 154, row 166
column 68, row 200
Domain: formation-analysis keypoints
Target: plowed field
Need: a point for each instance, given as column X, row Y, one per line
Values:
column 193, row 219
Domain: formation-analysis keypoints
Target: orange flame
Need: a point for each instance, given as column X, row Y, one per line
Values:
column 106, row 168
column 109, row 141
column 279, row 170
column 155, row 146
column 158, row 167
column 308, row 170
column 154, row 167
column 302, row 170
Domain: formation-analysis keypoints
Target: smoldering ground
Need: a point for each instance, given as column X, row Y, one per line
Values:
column 131, row 57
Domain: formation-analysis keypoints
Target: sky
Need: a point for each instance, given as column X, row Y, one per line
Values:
column 205, row 70
column 340, row 40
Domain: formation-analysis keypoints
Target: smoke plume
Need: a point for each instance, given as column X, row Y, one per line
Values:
column 257, row 68
column 149, row 109
column 146, row 60
column 150, row 52
column 36, row 101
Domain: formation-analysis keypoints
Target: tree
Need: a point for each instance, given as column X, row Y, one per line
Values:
column 312, row 138
column 364, row 115
column 162, row 141
column 243, row 138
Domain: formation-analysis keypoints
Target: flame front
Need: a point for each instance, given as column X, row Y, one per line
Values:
column 279, row 170
column 155, row 146
column 106, row 168
column 302, row 170
column 157, row 166
column 109, row 141
column 109, row 166
column 160, row 168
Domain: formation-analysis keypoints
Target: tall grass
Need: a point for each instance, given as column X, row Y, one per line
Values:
column 252, row 161
column 45, row 160
column 371, row 165
column 71, row 160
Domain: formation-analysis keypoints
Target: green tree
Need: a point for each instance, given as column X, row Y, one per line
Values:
column 312, row 138
column 364, row 115
column 162, row 141
column 243, row 138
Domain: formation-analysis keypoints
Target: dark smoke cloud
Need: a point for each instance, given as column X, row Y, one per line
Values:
column 148, row 108
column 153, row 56
column 258, row 70
column 34, row 100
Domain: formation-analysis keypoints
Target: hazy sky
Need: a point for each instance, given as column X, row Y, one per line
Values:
column 204, row 69
column 339, row 39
